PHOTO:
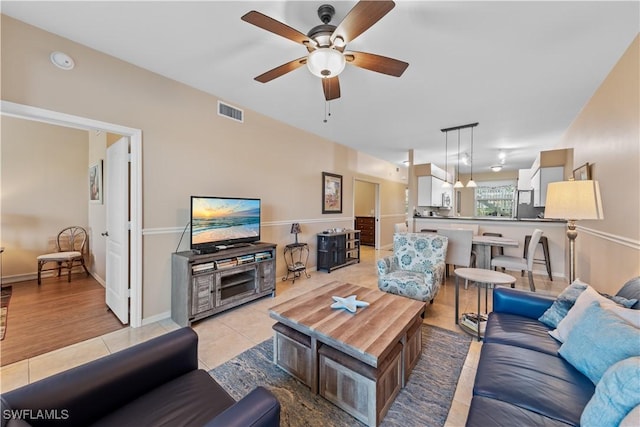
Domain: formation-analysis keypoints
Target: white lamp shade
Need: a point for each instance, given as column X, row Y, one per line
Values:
column 573, row 200
column 325, row 62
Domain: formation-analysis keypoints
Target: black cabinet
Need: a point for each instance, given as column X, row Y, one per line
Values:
column 338, row 249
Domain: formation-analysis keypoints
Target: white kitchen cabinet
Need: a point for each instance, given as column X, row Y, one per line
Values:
column 430, row 191
column 539, row 181
column 524, row 180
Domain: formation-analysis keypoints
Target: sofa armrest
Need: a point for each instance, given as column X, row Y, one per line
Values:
column 260, row 408
column 91, row 391
column 523, row 303
column 384, row 265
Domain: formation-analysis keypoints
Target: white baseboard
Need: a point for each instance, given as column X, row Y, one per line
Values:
column 156, row 318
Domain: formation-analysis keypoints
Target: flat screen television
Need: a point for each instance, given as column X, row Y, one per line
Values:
column 223, row 221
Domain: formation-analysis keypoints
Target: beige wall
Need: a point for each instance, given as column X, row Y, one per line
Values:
column 44, row 189
column 365, row 198
column 188, row 149
column 606, row 134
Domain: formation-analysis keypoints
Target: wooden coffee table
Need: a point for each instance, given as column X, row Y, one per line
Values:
column 358, row 361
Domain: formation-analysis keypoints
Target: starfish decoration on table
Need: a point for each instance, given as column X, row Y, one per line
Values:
column 349, row 303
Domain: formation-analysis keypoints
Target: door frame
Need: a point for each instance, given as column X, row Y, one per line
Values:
column 376, row 214
column 28, row 112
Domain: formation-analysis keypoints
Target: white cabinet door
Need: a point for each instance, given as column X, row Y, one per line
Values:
column 524, row 180
column 424, row 191
column 430, row 191
column 540, row 180
column 436, row 191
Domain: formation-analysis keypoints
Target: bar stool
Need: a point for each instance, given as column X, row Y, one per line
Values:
column 545, row 251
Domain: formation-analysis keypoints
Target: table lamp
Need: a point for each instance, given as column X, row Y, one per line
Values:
column 295, row 229
column 573, row 200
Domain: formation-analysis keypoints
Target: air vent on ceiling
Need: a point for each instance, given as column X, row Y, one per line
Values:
column 233, row 113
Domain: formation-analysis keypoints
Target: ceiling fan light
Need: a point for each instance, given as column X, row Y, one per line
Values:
column 325, row 62
column 496, row 168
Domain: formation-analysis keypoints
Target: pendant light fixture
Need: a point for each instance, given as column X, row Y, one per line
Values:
column 471, row 183
column 446, row 184
column 458, row 184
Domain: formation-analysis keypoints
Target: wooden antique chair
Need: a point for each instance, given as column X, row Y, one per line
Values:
column 70, row 244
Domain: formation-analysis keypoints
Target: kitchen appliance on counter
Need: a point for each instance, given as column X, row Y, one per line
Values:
column 524, row 206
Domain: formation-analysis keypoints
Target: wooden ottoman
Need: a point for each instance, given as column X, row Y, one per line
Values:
column 361, row 390
column 292, row 352
column 413, row 348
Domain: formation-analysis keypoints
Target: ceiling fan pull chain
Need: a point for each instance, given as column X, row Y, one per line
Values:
column 327, row 111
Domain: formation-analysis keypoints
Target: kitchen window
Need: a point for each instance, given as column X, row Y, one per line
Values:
column 495, row 198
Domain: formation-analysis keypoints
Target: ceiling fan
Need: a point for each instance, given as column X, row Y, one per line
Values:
column 326, row 44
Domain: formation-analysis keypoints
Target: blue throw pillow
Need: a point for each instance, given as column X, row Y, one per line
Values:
column 562, row 304
column 625, row 302
column 598, row 340
column 617, row 393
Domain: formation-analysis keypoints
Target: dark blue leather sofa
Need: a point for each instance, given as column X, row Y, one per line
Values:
column 521, row 380
column 155, row 383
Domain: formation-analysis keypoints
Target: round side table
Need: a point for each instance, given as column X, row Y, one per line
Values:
column 482, row 278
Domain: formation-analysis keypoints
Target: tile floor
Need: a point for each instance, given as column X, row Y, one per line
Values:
column 226, row 335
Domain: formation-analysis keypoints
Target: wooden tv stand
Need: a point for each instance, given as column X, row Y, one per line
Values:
column 203, row 285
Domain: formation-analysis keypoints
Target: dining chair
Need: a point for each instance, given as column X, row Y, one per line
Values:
column 497, row 250
column 400, row 227
column 459, row 251
column 516, row 263
column 473, row 227
column 70, row 245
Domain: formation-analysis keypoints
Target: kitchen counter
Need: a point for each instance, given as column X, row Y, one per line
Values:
column 491, row 218
column 514, row 228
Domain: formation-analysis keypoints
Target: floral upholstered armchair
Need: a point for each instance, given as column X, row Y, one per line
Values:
column 416, row 268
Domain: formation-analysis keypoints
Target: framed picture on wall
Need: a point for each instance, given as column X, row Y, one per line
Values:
column 331, row 193
column 582, row 173
column 95, row 182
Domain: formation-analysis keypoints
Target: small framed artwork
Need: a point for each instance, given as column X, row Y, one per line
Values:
column 582, row 173
column 331, row 193
column 95, row 182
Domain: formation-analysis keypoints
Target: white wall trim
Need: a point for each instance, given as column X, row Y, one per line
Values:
column 397, row 215
column 28, row 112
column 173, row 230
column 156, row 318
column 625, row 241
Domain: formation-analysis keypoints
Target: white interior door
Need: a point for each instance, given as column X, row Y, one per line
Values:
column 117, row 233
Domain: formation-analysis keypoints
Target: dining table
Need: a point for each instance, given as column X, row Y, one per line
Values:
column 482, row 247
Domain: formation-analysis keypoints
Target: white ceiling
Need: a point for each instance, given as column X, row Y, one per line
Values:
column 522, row 69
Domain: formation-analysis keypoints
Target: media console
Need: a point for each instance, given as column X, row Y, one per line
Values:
column 206, row 284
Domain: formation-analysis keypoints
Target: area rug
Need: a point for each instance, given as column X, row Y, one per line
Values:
column 425, row 400
column 4, row 309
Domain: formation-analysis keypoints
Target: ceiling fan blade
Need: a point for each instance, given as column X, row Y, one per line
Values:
column 267, row 23
column 378, row 63
column 331, row 87
column 281, row 70
column 361, row 18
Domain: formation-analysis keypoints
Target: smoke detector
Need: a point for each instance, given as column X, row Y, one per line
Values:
column 62, row 60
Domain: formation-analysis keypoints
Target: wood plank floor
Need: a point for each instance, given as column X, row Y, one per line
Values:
column 54, row 315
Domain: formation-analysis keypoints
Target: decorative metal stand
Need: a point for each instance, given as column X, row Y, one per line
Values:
column 296, row 256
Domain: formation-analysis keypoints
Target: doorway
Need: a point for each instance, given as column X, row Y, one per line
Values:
column 366, row 208
column 135, row 185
